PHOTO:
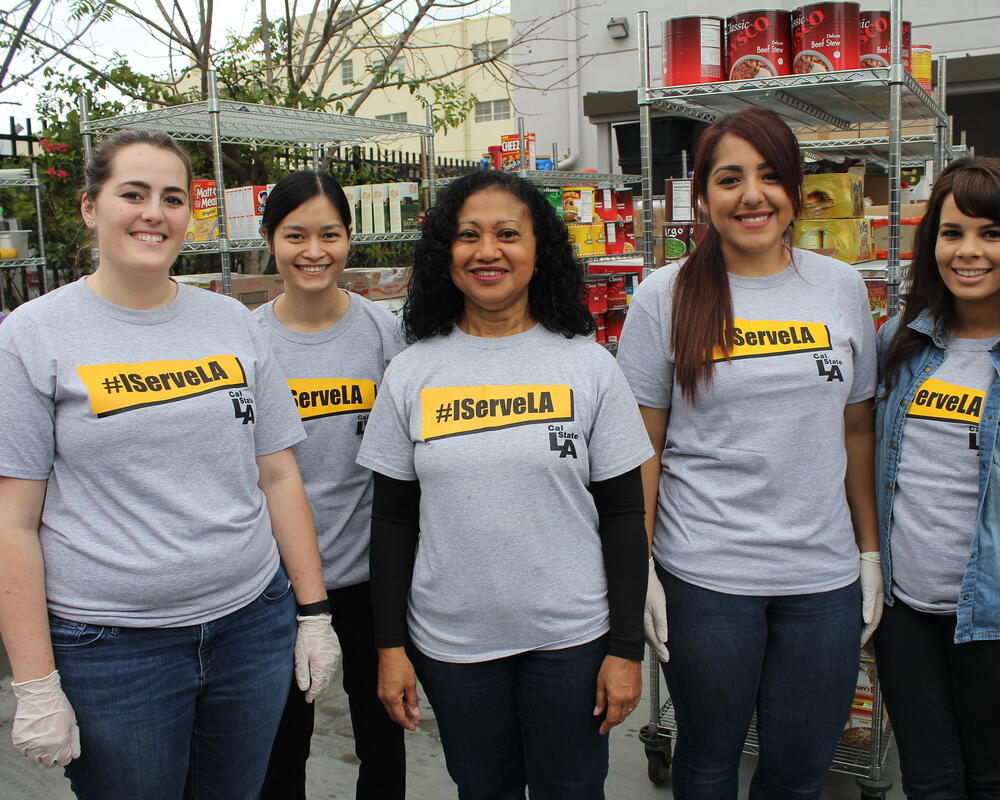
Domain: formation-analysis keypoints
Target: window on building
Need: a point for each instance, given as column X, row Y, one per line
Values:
column 398, row 65
column 347, row 71
column 492, row 110
column 398, row 117
column 484, row 51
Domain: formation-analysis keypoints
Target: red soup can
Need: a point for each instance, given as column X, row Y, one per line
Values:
column 758, row 45
column 873, row 40
column 825, row 37
column 692, row 50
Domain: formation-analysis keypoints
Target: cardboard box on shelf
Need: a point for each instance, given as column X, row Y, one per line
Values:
column 377, row 283
column 906, row 210
column 354, row 201
column 380, row 207
column 849, row 240
column 251, row 290
column 833, row 195
column 404, row 206
column 367, row 223
column 907, row 234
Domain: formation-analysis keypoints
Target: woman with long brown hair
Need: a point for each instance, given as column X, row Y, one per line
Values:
column 754, row 368
column 939, row 497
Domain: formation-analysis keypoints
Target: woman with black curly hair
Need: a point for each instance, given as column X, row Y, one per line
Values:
column 509, row 444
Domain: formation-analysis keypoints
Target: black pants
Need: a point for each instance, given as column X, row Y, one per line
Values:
column 378, row 741
column 944, row 702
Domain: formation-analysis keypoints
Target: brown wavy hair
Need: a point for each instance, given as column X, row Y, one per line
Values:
column 702, row 318
column 975, row 185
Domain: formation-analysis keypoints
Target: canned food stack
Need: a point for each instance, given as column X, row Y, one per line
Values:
column 682, row 233
column 766, row 43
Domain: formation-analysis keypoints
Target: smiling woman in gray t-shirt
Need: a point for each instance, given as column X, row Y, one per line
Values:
column 754, row 369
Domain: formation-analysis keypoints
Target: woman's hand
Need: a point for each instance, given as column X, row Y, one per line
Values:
column 619, row 686
column 317, row 654
column 397, row 687
column 44, row 727
column 872, row 593
column 655, row 618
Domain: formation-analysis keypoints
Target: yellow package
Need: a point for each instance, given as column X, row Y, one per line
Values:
column 849, row 240
column 837, row 195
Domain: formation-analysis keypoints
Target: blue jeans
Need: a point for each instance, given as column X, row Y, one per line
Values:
column 792, row 658
column 170, row 713
column 525, row 720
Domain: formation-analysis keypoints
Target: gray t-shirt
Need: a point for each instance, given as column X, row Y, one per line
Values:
column 505, row 435
column 334, row 376
column 146, row 425
column 752, row 496
column 937, row 487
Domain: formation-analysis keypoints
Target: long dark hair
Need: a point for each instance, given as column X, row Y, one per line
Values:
column 702, row 318
column 975, row 185
column 555, row 293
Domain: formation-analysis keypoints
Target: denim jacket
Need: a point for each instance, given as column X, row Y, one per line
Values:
column 979, row 598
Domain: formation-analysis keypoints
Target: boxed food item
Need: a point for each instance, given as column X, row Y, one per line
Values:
column 832, row 195
column 604, row 205
column 353, row 194
column 858, row 730
column 367, row 224
column 251, row 290
column 510, row 152
column 624, row 205
column 878, row 301
column 596, row 296
column 617, row 292
column 583, row 240
column 578, row 204
column 376, row 283
column 849, row 240
column 380, row 207
column 630, row 267
column 244, row 211
column 679, row 200
column 204, row 223
column 619, row 238
column 906, row 210
column 404, row 206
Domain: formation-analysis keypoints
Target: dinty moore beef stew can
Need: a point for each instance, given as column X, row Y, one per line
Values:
column 825, row 37
column 758, row 44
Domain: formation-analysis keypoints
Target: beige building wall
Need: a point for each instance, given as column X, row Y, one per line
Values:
column 437, row 50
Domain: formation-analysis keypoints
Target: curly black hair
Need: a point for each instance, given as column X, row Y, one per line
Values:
column 555, row 293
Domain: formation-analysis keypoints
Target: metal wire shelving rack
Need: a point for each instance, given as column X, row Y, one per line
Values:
column 218, row 121
column 25, row 179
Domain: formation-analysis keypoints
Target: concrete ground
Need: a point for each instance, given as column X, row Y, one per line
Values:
column 331, row 772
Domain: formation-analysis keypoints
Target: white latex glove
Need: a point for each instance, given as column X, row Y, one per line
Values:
column 317, row 654
column 872, row 593
column 654, row 620
column 45, row 729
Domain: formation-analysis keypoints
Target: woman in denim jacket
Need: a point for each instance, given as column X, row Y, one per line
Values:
column 938, row 645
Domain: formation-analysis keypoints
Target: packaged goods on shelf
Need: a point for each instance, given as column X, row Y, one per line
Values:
column 510, row 152
column 681, row 239
column 203, row 225
column 907, row 235
column 920, row 65
column 578, row 204
column 849, row 240
column 615, row 267
column 758, row 45
column 404, row 207
column 692, row 50
column 613, row 321
column 365, row 200
column 251, row 290
column 244, row 211
column 586, row 238
column 624, row 205
column 380, row 207
column 596, row 296
column 835, row 195
column 617, row 289
column 619, row 237
column 353, row 194
column 858, row 730
column 825, row 37
column 555, row 198
column 599, row 333
column 878, row 300
column 678, row 200
column 604, row 205
column 13, row 244
column 906, row 210
column 377, row 283
column 874, row 51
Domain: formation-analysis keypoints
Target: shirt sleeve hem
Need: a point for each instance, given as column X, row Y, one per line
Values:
column 623, row 467
column 268, row 449
column 385, row 469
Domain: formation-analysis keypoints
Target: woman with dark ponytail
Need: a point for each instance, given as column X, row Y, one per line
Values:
column 754, row 368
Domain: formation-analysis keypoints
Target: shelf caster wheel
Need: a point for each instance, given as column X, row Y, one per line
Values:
column 874, row 789
column 657, row 766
